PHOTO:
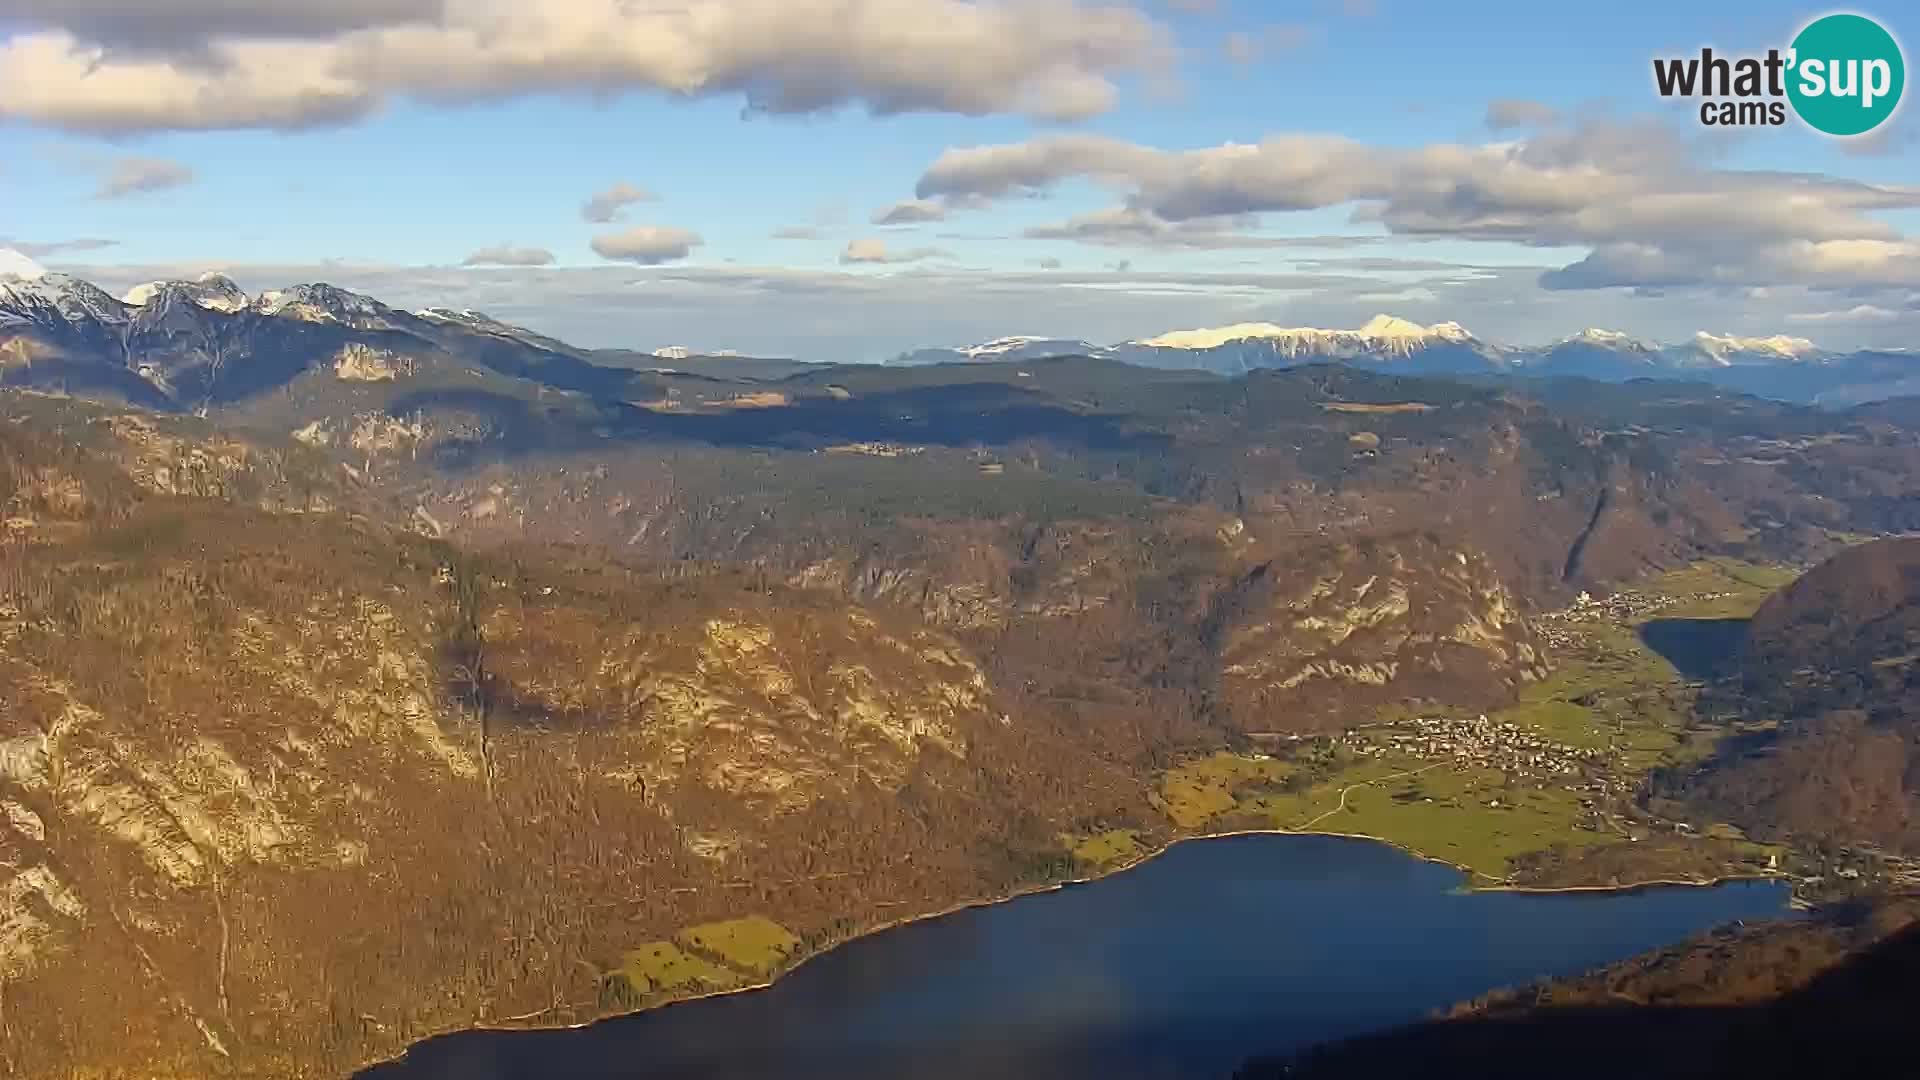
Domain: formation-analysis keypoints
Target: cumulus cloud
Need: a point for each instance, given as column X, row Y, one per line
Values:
column 1505, row 113
column 1646, row 206
column 104, row 67
column 648, row 245
column 139, row 175
column 509, row 255
column 911, row 212
column 605, row 206
column 874, row 250
column 796, row 232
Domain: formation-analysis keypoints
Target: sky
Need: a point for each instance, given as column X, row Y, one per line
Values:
column 849, row 179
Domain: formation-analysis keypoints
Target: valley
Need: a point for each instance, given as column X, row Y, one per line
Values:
column 383, row 675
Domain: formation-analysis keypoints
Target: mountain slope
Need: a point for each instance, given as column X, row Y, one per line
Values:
column 1835, row 659
column 1828, row 996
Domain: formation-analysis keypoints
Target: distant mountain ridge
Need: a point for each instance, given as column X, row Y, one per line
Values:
column 1778, row 366
column 181, row 343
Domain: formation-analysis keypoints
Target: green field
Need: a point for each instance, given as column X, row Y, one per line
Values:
column 1608, row 693
column 1749, row 584
column 1105, row 849
column 1199, row 791
column 756, row 944
column 662, row 965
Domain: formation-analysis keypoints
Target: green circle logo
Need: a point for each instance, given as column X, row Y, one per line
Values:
column 1846, row 75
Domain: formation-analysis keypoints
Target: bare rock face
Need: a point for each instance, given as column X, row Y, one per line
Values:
column 779, row 704
column 357, row 362
column 1319, row 637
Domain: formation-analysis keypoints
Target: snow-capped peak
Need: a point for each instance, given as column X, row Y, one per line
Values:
column 15, row 265
column 50, row 296
column 1393, row 327
column 1720, row 346
column 324, row 303
column 1397, row 334
column 212, row 290
column 1614, row 341
column 1021, row 344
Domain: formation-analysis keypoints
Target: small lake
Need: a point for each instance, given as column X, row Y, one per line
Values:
column 1214, row 952
column 1697, row 648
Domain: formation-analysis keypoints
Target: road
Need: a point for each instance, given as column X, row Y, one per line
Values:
column 1351, row 788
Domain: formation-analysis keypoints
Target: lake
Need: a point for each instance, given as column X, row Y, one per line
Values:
column 1216, row 951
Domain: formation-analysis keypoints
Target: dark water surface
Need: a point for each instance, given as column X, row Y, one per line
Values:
column 1184, row 967
column 1697, row 648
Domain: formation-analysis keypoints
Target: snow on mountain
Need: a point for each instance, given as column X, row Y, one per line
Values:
column 213, row 291
column 1607, row 339
column 325, row 303
column 1382, row 334
column 1593, row 353
column 48, row 297
column 1730, row 348
column 682, row 352
column 1002, row 350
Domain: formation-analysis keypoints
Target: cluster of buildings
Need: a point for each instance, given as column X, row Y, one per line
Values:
column 1556, row 628
column 1480, row 743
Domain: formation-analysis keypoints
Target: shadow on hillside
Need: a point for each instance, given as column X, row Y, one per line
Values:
column 1852, row 1021
column 950, row 416
column 1699, row 648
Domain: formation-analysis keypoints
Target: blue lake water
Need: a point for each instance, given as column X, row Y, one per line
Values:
column 1216, row 951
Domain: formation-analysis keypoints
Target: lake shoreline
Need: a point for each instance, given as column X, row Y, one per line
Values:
column 512, row 1024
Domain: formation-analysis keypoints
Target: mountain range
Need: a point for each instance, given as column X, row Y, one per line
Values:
column 186, row 343
column 441, row 673
column 1787, row 368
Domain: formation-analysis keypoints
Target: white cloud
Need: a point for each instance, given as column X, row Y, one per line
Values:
column 874, row 250
column 911, row 212
column 648, row 245
column 1646, row 206
column 509, row 255
column 55, row 247
column 796, row 232
column 605, row 206
column 139, row 175
column 101, row 67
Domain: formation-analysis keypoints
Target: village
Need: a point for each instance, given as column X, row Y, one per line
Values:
column 1559, row 628
column 1480, row 743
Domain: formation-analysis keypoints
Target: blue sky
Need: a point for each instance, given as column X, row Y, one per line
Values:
column 1421, row 206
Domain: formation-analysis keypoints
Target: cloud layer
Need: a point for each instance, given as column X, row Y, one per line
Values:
column 110, row 67
column 1645, row 205
column 509, row 255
